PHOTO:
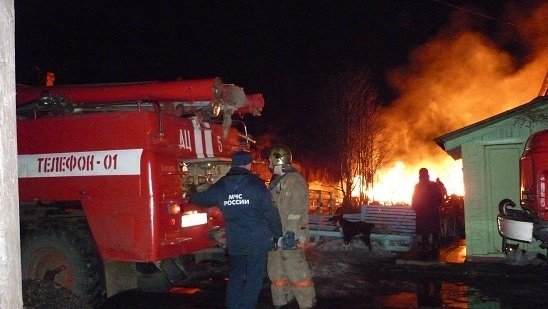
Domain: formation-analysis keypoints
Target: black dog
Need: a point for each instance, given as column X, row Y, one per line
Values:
column 354, row 228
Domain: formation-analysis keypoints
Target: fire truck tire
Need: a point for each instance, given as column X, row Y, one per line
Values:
column 66, row 256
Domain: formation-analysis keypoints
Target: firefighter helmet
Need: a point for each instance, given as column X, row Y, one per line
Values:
column 279, row 155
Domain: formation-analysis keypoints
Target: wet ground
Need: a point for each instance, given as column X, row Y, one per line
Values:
column 353, row 277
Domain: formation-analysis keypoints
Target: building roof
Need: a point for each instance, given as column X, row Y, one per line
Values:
column 512, row 113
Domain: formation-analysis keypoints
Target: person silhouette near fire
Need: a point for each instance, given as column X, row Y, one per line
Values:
column 442, row 188
column 426, row 202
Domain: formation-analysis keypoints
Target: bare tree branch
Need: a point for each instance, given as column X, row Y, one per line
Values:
column 356, row 134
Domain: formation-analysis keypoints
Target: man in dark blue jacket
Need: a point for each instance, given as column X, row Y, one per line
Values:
column 252, row 222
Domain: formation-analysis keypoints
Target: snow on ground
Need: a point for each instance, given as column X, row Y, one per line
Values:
column 356, row 246
column 338, row 268
column 522, row 258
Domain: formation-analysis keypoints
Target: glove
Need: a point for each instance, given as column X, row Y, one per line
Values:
column 192, row 188
column 288, row 241
column 276, row 243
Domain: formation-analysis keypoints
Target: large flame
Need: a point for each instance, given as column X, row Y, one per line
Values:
column 394, row 185
column 459, row 77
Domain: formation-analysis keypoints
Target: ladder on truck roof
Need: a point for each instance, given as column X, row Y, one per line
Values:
column 207, row 96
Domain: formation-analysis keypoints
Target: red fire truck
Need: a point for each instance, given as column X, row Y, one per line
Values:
column 532, row 219
column 103, row 172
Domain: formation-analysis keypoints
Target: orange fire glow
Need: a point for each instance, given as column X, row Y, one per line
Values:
column 457, row 78
column 183, row 290
column 395, row 185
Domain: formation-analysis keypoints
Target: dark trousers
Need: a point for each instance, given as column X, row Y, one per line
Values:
column 430, row 244
column 245, row 280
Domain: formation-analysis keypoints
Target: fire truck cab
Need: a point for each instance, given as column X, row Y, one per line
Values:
column 103, row 173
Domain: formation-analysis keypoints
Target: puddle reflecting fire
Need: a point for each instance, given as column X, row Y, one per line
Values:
column 434, row 294
column 183, row 290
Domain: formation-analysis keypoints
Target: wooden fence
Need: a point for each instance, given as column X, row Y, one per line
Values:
column 394, row 225
column 322, row 202
column 390, row 219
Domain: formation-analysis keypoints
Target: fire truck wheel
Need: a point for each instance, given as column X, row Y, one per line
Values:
column 67, row 257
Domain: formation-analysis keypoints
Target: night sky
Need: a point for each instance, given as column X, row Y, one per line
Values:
column 286, row 50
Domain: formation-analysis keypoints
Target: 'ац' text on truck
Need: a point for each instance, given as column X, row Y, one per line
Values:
column 103, row 173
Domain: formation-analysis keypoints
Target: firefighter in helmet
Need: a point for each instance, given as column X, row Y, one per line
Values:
column 288, row 269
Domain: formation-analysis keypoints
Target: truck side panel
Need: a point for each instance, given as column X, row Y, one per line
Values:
column 125, row 175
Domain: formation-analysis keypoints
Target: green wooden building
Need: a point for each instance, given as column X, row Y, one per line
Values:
column 490, row 152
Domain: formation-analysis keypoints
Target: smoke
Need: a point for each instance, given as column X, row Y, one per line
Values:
column 464, row 75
